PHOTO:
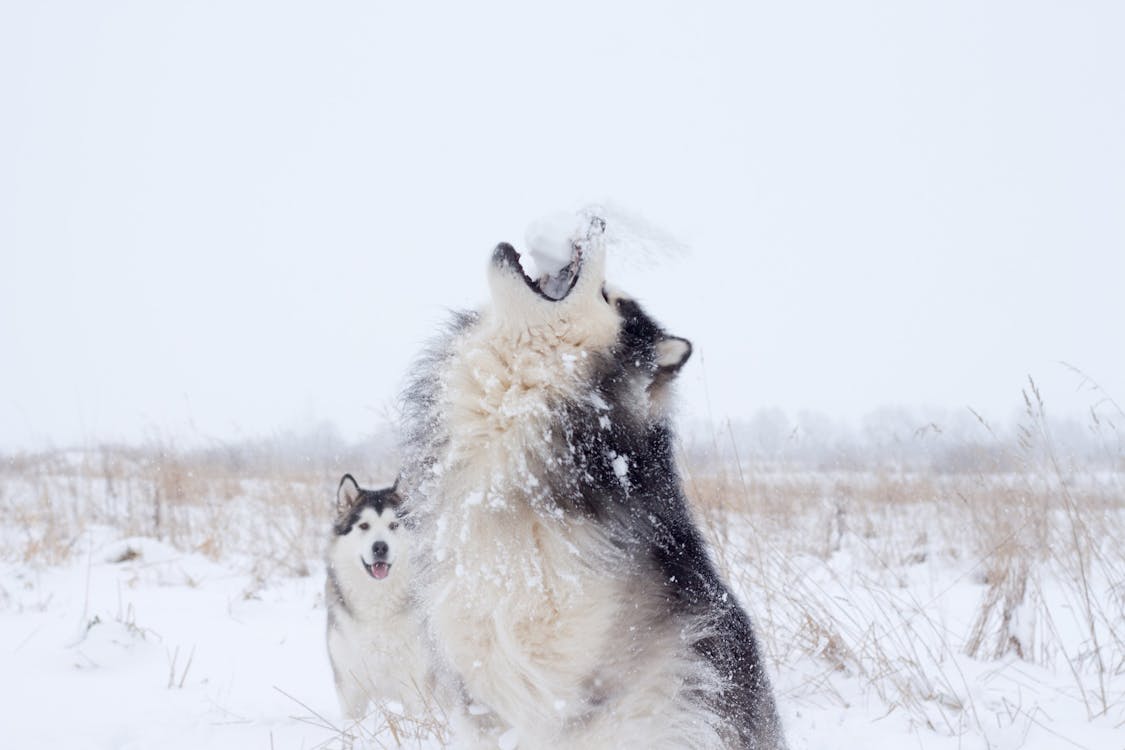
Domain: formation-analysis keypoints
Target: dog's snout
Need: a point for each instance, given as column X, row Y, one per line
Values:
column 379, row 549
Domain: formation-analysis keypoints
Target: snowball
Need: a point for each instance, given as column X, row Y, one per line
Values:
column 550, row 241
column 621, row 466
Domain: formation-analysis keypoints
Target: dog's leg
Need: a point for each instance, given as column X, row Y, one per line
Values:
column 353, row 698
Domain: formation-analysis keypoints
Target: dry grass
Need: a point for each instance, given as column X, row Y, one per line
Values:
column 1019, row 566
column 273, row 518
column 384, row 726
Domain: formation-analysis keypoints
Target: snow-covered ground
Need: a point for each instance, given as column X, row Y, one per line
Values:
column 866, row 599
column 165, row 650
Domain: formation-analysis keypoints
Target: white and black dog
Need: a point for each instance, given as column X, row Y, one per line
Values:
column 373, row 629
column 569, row 597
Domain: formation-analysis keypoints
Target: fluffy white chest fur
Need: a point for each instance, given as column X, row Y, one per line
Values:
column 374, row 640
column 522, row 617
column 518, row 600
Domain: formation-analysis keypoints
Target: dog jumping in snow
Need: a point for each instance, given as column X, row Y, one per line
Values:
column 569, row 597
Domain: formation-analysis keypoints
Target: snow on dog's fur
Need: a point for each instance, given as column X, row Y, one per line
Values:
column 569, row 597
column 373, row 629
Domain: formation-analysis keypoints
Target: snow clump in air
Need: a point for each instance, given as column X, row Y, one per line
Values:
column 550, row 241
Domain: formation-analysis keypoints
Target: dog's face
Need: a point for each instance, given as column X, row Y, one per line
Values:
column 573, row 295
column 596, row 328
column 368, row 528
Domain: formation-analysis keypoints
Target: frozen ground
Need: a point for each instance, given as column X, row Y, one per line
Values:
column 867, row 592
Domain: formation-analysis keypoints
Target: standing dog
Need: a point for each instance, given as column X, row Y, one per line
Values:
column 373, row 633
column 569, row 596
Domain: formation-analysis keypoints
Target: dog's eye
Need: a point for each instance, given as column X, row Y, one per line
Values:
column 392, row 525
column 364, row 526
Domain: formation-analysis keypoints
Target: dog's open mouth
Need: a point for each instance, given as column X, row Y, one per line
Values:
column 378, row 569
column 550, row 286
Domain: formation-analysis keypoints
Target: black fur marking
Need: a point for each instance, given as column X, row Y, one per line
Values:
column 650, row 517
column 377, row 500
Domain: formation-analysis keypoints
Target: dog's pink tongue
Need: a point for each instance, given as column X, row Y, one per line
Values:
column 380, row 570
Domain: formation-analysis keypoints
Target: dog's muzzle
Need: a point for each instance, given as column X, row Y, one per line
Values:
column 378, row 570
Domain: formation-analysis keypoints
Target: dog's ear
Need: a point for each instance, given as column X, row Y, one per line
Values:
column 346, row 494
column 394, row 500
column 672, row 352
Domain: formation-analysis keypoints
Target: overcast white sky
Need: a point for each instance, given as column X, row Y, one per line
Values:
column 222, row 218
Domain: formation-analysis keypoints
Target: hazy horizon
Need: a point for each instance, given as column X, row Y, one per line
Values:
column 238, row 219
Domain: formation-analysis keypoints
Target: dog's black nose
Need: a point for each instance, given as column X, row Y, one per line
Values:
column 379, row 549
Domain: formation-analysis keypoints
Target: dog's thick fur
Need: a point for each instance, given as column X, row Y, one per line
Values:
column 569, row 597
column 373, row 627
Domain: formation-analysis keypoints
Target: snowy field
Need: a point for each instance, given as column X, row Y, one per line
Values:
column 169, row 599
column 218, row 220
